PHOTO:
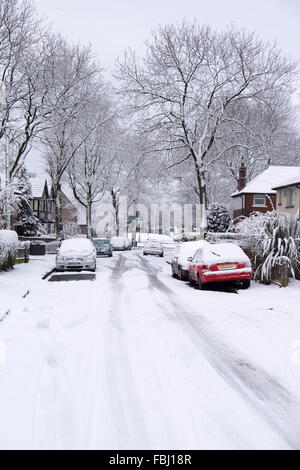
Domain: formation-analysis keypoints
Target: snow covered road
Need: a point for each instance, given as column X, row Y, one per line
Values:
column 139, row 360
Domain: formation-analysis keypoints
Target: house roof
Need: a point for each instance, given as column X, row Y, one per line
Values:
column 37, row 186
column 271, row 178
column 290, row 182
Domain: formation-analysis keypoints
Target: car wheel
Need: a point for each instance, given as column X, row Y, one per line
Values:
column 246, row 284
column 181, row 276
column 201, row 285
column 191, row 280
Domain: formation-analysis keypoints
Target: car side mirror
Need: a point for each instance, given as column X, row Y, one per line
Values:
column 190, row 259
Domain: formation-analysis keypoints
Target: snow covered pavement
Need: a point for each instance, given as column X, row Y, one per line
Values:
column 139, row 360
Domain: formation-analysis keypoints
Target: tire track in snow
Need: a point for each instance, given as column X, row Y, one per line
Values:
column 123, row 397
column 267, row 396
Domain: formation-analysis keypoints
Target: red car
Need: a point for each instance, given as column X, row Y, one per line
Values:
column 220, row 262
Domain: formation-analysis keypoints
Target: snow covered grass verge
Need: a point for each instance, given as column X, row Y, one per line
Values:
column 15, row 285
column 8, row 249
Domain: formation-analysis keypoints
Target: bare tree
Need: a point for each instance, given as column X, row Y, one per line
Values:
column 188, row 86
column 75, row 81
column 89, row 170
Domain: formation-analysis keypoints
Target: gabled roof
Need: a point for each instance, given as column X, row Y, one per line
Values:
column 38, row 186
column 269, row 179
column 290, row 182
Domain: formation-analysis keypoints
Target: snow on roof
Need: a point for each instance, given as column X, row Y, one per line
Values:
column 290, row 182
column 269, row 179
column 38, row 185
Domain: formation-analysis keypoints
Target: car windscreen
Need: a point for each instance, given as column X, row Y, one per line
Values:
column 100, row 242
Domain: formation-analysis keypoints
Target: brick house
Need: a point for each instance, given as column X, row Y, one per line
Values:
column 44, row 205
column 259, row 194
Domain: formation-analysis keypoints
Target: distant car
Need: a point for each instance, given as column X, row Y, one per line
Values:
column 218, row 263
column 180, row 260
column 53, row 247
column 128, row 244
column 103, row 247
column 76, row 254
column 153, row 247
column 118, row 244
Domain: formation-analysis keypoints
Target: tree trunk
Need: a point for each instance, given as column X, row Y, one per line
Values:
column 202, row 209
column 116, row 207
column 89, row 218
column 58, row 211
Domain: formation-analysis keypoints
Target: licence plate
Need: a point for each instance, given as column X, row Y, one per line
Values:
column 226, row 266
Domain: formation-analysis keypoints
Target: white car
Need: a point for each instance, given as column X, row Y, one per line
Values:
column 76, row 254
column 118, row 243
column 153, row 247
column 180, row 260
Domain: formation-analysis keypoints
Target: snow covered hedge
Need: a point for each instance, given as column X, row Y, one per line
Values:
column 276, row 238
column 8, row 249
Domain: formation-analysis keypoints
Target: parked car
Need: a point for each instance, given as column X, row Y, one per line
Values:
column 128, row 244
column 118, row 244
column 179, row 261
column 153, row 247
column 53, row 247
column 218, row 263
column 76, row 254
column 103, row 246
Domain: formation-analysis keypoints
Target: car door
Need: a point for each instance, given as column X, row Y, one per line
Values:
column 193, row 266
column 174, row 261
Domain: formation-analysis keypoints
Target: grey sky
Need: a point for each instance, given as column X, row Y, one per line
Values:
column 112, row 25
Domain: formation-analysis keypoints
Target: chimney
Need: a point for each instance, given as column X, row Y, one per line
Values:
column 242, row 181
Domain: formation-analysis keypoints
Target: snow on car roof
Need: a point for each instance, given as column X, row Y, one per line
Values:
column 189, row 247
column 76, row 244
column 223, row 253
column 272, row 177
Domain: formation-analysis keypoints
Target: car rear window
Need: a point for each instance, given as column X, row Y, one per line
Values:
column 101, row 242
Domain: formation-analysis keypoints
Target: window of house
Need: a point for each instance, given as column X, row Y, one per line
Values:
column 290, row 197
column 42, row 206
column 259, row 200
column 280, row 197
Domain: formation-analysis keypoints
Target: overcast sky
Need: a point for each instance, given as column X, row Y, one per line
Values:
column 113, row 25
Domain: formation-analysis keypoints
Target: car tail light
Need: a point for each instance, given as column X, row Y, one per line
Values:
column 205, row 268
column 241, row 265
column 214, row 267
